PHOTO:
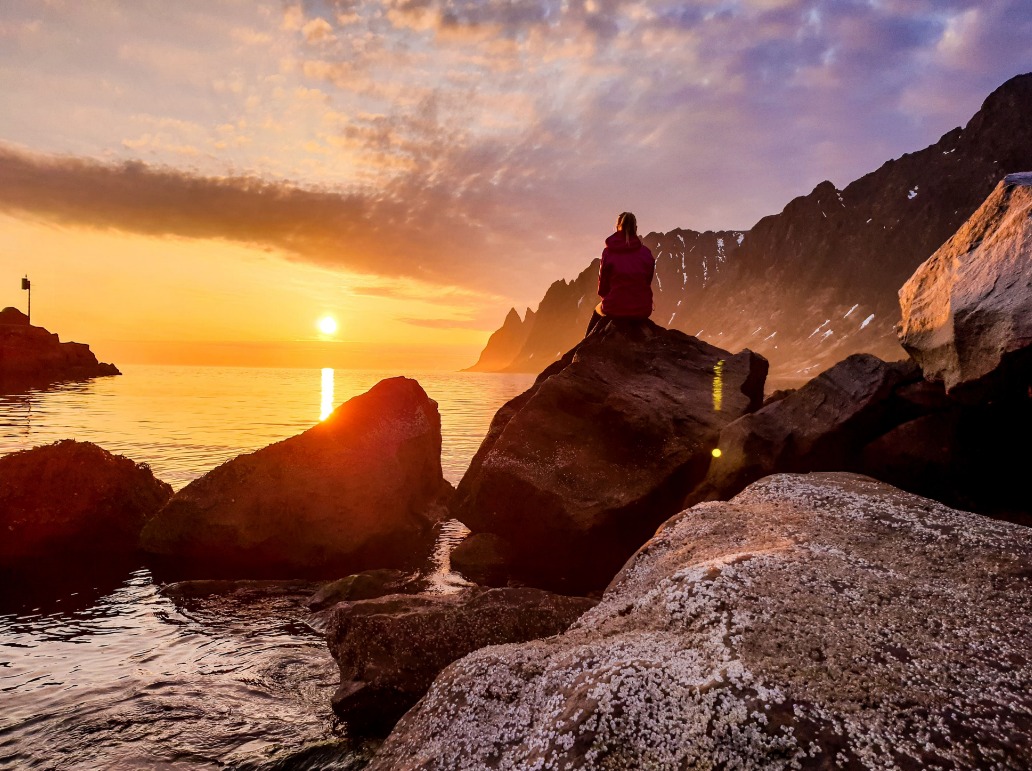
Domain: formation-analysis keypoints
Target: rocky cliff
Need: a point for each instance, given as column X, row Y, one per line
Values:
column 817, row 282
column 33, row 357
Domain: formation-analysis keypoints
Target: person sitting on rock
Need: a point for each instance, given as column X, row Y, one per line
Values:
column 625, row 276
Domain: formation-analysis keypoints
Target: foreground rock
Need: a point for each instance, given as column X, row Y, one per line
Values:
column 33, row 357
column 390, row 649
column 578, row 471
column 354, row 492
column 821, row 426
column 967, row 311
column 819, row 621
column 73, row 498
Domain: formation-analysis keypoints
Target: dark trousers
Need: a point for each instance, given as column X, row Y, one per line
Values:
column 596, row 319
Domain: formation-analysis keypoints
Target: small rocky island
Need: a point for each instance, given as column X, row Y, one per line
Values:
column 845, row 584
column 33, row 357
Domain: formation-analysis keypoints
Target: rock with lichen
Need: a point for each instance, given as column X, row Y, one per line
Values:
column 579, row 470
column 967, row 310
column 814, row 621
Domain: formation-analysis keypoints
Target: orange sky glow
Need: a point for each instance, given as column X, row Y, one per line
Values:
column 200, row 183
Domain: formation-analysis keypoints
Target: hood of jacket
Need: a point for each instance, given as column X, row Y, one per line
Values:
column 618, row 243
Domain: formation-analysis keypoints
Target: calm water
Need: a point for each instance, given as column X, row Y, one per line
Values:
column 107, row 672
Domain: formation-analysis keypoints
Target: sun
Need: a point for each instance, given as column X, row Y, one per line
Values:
column 327, row 325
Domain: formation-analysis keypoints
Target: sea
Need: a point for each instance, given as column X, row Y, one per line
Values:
column 106, row 669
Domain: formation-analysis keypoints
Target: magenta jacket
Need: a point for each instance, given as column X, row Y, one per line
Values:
column 625, row 277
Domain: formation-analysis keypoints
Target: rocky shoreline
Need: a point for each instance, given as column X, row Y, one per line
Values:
column 32, row 357
column 666, row 570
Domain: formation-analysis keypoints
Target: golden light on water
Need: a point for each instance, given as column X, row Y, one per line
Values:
column 716, row 452
column 718, row 385
column 327, row 325
column 326, row 405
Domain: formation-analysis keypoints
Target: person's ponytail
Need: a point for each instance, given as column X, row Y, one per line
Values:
column 628, row 223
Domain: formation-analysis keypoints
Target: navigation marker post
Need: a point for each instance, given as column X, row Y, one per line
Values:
column 27, row 286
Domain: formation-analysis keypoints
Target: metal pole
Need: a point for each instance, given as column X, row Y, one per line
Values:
column 27, row 286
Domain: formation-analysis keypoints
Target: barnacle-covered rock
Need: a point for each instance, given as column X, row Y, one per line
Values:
column 814, row 621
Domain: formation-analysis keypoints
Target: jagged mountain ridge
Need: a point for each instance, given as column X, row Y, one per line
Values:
column 818, row 281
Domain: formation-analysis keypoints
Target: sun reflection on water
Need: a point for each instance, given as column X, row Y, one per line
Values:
column 327, row 393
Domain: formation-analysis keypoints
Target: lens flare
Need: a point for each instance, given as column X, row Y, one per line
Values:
column 718, row 385
column 716, row 452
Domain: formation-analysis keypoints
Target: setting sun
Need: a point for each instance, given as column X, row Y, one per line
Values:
column 327, row 325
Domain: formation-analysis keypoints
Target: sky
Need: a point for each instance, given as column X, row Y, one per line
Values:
column 202, row 181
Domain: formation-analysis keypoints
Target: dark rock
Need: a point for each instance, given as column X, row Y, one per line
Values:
column 965, row 457
column 483, row 558
column 578, row 471
column 967, row 310
column 244, row 589
column 361, row 586
column 816, row 282
column 814, row 622
column 74, row 498
column 821, row 426
column 924, row 397
column 347, row 495
column 32, row 357
column 390, row 649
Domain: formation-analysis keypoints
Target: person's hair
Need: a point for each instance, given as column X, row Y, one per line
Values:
column 627, row 223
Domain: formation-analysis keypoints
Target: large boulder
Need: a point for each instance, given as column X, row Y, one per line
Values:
column 33, row 357
column 821, row 426
column 578, row 471
column 73, row 498
column 390, row 649
column 352, row 493
column 967, row 310
column 815, row 622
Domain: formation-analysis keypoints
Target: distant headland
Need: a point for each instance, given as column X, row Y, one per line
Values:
column 32, row 357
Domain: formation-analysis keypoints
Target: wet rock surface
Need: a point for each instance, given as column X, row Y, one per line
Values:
column 354, row 492
column 814, row 621
column 967, row 310
column 578, row 471
column 390, row 649
column 362, row 586
column 76, row 499
column 33, row 357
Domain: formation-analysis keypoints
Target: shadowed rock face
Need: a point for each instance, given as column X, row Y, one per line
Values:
column 73, row 498
column 967, row 310
column 821, row 426
column 390, row 649
column 818, row 621
column 352, row 493
column 578, row 471
column 33, row 357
